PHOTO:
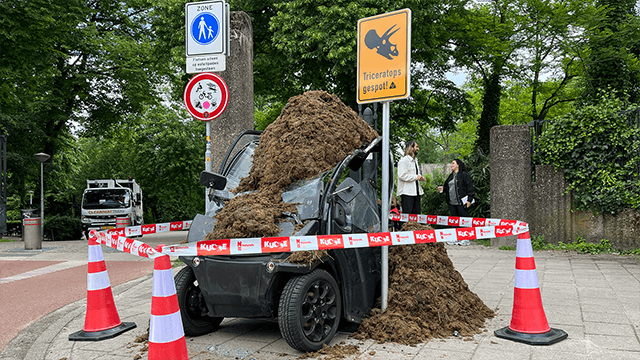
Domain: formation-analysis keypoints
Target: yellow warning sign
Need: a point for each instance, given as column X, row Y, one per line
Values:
column 384, row 56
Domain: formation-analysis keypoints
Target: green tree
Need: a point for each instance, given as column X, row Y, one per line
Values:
column 65, row 63
column 319, row 41
column 516, row 105
column 271, row 75
column 612, row 60
column 74, row 61
column 439, row 106
column 430, row 152
column 549, row 64
column 163, row 150
column 482, row 36
column 267, row 109
column 522, row 40
column 170, row 156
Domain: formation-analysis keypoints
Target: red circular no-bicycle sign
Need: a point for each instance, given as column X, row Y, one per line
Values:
column 206, row 96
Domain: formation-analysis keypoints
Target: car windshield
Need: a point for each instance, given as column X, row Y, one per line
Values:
column 106, row 199
column 240, row 167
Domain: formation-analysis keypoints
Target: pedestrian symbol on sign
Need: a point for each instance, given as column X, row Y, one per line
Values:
column 205, row 28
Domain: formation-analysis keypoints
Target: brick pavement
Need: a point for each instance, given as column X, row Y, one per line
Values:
column 595, row 299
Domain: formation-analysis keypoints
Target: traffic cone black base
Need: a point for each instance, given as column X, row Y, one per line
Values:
column 102, row 335
column 528, row 321
column 550, row 337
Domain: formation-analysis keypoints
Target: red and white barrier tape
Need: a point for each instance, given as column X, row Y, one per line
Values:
column 453, row 220
column 140, row 230
column 124, row 244
column 491, row 228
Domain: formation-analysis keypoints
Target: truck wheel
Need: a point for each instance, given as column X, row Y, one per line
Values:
column 309, row 311
column 193, row 308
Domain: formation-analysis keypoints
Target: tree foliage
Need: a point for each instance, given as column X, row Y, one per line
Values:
column 163, row 152
column 70, row 63
column 612, row 59
column 599, row 149
column 83, row 81
column 312, row 44
column 520, row 40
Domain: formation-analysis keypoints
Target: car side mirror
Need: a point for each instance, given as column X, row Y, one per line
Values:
column 213, row 180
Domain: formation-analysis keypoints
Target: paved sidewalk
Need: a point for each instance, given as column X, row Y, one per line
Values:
column 595, row 299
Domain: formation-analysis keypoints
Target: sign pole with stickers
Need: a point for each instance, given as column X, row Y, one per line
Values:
column 206, row 97
column 384, row 59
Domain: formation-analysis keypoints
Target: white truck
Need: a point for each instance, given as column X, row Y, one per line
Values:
column 109, row 203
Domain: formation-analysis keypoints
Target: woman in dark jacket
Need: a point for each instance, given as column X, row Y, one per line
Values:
column 458, row 189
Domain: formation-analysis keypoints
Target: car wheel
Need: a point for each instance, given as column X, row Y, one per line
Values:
column 193, row 308
column 309, row 311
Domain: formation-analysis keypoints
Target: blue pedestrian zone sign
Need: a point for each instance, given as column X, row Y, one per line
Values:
column 205, row 28
column 206, row 25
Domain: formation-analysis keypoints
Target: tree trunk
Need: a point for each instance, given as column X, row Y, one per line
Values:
column 490, row 107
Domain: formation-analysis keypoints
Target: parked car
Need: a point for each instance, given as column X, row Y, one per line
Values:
column 309, row 300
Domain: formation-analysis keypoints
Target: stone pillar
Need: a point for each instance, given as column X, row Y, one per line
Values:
column 239, row 78
column 510, row 176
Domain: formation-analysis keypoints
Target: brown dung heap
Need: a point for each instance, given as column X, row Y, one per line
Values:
column 427, row 296
column 314, row 131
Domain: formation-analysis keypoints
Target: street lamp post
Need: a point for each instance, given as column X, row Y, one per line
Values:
column 42, row 157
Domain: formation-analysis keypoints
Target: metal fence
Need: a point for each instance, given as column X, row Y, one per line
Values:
column 633, row 119
column 536, row 128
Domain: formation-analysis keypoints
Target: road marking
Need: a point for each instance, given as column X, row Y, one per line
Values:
column 45, row 270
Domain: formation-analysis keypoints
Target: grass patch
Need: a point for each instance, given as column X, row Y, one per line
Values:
column 176, row 263
column 485, row 242
column 581, row 246
column 630, row 252
column 7, row 240
column 504, row 247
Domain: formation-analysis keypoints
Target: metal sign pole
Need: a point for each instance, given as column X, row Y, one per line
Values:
column 207, row 164
column 384, row 80
column 385, row 201
column 41, row 201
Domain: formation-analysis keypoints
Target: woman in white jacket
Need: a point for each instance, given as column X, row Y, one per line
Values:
column 409, row 188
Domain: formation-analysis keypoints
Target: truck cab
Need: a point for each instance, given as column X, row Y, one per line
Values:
column 109, row 203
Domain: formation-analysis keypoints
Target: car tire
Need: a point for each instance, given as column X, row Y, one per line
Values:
column 193, row 309
column 309, row 311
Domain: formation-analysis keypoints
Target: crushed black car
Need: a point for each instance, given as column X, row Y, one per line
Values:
column 310, row 301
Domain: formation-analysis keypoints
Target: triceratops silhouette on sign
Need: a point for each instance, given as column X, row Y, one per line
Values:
column 382, row 44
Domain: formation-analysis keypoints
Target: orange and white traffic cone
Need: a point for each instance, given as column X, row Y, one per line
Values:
column 528, row 321
column 166, row 334
column 101, row 319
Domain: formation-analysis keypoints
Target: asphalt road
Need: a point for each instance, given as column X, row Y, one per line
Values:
column 33, row 283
